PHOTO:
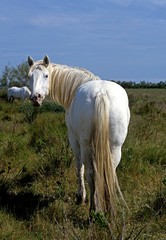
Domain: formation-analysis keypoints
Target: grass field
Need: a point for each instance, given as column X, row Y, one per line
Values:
column 38, row 180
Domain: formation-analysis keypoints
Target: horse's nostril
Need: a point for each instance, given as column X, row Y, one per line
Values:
column 35, row 97
column 39, row 95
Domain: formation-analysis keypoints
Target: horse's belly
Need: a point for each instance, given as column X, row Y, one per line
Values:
column 15, row 94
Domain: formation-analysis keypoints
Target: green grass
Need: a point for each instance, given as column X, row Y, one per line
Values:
column 38, row 180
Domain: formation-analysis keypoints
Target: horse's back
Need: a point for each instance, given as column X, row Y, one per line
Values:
column 80, row 115
column 13, row 91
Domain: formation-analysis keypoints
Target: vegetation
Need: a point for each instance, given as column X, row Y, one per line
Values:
column 38, row 180
column 142, row 84
column 18, row 76
column 15, row 76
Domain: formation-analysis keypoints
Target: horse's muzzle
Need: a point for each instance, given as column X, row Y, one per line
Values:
column 36, row 99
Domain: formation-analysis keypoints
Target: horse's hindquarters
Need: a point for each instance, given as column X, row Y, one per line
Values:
column 80, row 115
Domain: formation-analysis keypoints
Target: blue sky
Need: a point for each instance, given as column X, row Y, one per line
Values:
column 115, row 39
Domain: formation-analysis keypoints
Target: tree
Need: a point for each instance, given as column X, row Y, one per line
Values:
column 15, row 76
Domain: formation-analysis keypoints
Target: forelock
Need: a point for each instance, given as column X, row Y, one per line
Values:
column 38, row 66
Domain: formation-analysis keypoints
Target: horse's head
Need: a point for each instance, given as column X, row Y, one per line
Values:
column 39, row 79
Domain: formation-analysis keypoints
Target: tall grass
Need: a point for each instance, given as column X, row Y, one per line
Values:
column 38, row 180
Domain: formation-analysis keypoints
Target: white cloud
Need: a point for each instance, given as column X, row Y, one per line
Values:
column 53, row 21
column 4, row 19
column 124, row 3
column 161, row 3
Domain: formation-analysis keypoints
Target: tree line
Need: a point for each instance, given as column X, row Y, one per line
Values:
column 18, row 76
column 142, row 84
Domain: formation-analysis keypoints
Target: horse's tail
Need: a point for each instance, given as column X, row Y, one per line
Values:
column 105, row 179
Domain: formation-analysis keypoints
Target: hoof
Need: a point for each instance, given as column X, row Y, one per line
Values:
column 80, row 200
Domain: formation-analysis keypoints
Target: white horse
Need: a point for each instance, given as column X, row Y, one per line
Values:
column 97, row 118
column 16, row 92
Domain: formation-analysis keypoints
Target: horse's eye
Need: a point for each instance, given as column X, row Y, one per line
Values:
column 46, row 76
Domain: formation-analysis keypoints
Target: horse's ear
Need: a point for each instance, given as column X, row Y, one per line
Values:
column 30, row 61
column 46, row 60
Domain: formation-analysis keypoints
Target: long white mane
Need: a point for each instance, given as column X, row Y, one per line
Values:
column 64, row 81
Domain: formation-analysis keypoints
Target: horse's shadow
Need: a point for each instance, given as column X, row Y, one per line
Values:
column 21, row 205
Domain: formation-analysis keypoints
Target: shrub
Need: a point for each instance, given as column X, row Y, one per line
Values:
column 30, row 112
column 50, row 107
column 3, row 93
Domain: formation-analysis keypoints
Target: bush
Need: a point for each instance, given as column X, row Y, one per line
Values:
column 30, row 112
column 51, row 107
column 3, row 93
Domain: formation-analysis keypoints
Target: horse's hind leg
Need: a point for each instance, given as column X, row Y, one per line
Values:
column 81, row 193
column 11, row 99
column 86, row 156
column 90, row 179
column 116, row 155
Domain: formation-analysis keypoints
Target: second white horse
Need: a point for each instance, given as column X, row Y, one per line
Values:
column 20, row 93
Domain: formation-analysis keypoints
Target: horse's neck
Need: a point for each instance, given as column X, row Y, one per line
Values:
column 64, row 82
